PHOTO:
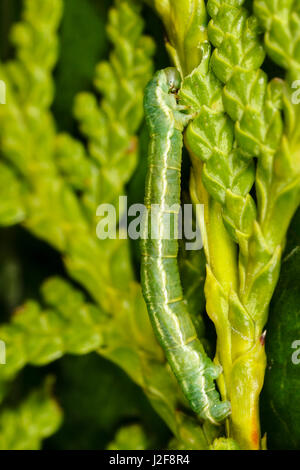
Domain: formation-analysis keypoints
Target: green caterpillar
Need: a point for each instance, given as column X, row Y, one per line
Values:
column 161, row 284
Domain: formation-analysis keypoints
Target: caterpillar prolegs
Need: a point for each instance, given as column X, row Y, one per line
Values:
column 161, row 284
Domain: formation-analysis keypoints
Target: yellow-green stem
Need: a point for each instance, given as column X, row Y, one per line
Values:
column 243, row 361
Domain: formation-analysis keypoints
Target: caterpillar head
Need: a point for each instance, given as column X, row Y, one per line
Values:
column 173, row 79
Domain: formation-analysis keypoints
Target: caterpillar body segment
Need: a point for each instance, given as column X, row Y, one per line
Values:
column 161, row 283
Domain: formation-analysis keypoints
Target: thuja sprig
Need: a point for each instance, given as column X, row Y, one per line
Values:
column 35, row 419
column 12, row 209
column 185, row 23
column 27, row 127
column 277, row 169
column 281, row 21
column 111, row 127
column 227, row 173
column 282, row 37
column 130, row 437
column 68, row 324
column 223, row 183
